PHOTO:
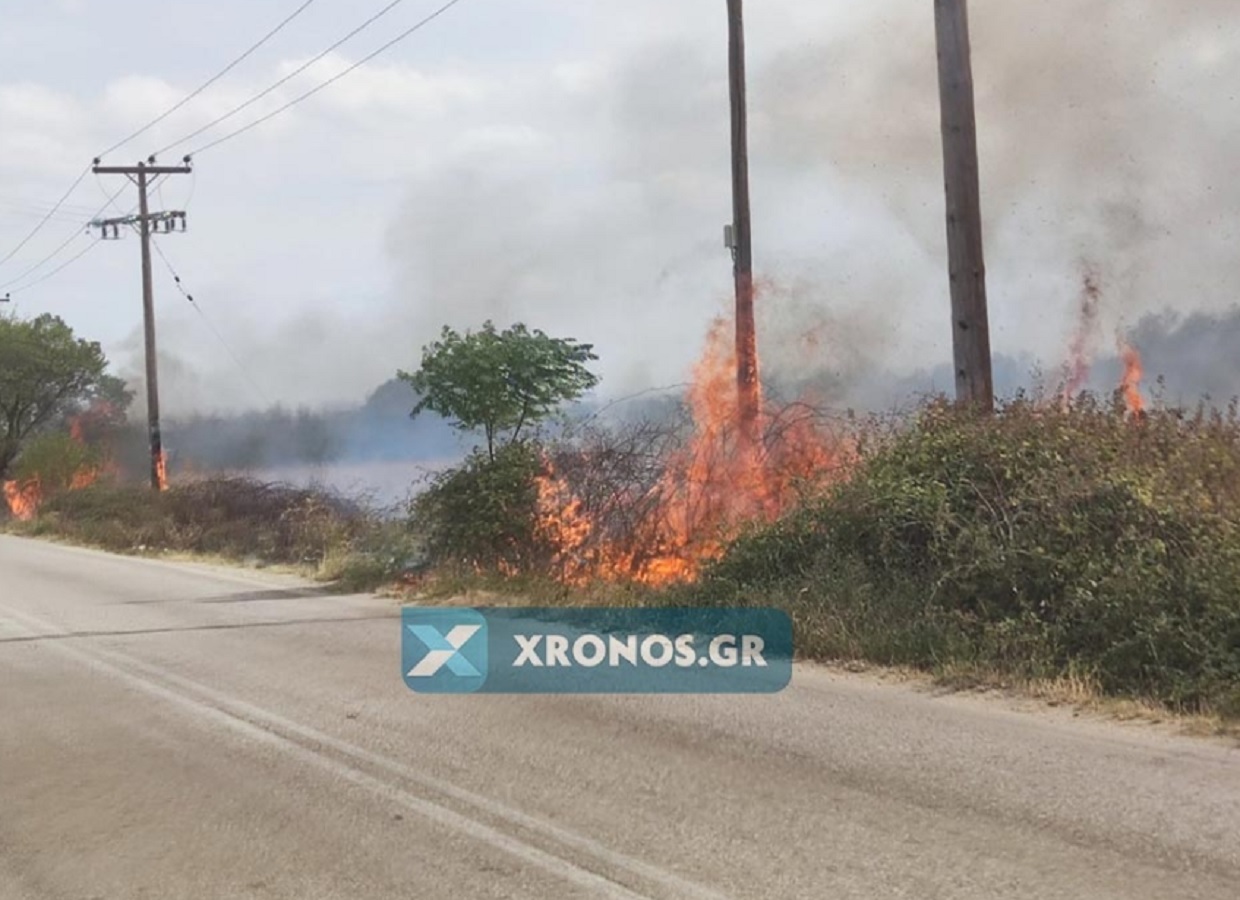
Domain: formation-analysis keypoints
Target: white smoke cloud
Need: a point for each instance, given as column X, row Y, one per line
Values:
column 579, row 182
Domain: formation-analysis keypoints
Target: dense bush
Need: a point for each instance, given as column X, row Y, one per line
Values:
column 1042, row 541
column 483, row 514
column 234, row 517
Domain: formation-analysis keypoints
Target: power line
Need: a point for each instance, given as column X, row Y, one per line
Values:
column 111, row 201
column 64, row 265
column 212, row 80
column 219, row 337
column 77, row 181
column 282, row 82
column 416, row 27
column 193, row 183
column 16, row 212
column 39, row 227
column 41, row 207
column 60, row 249
column 155, row 183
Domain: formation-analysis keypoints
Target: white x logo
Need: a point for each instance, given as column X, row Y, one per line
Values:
column 443, row 650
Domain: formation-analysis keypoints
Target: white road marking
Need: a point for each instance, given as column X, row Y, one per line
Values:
column 266, row 726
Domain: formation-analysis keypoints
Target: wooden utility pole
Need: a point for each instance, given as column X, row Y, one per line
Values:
column 748, row 392
column 966, row 262
column 148, row 222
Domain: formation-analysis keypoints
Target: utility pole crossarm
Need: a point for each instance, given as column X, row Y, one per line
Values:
column 149, row 170
column 169, row 222
column 171, row 215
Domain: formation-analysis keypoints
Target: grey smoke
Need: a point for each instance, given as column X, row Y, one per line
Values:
column 1110, row 134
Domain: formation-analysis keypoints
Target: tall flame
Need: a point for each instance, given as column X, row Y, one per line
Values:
column 1134, row 371
column 729, row 473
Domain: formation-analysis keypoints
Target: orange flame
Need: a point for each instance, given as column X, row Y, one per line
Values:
column 161, row 470
column 23, row 499
column 1134, row 371
column 83, row 479
column 728, row 474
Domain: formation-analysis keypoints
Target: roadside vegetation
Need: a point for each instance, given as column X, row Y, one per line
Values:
column 310, row 530
column 1072, row 541
column 48, row 375
column 1043, row 543
column 1077, row 540
column 1071, row 544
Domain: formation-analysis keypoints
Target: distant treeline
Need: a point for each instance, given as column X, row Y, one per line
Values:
column 379, row 430
column 1199, row 356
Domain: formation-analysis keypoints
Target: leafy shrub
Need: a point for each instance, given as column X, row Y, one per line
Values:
column 1040, row 541
column 484, row 514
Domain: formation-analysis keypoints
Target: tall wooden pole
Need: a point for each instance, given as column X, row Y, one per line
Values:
column 158, row 469
column 966, row 262
column 141, row 174
column 748, row 393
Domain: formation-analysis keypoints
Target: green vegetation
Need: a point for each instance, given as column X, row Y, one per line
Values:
column 238, row 519
column 1040, row 543
column 1043, row 543
column 46, row 374
column 501, row 383
column 483, row 515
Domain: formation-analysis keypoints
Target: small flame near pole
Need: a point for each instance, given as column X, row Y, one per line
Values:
column 161, row 469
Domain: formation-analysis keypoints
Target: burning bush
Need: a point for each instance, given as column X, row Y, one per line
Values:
column 47, row 376
column 51, row 464
column 654, row 501
column 1041, row 541
column 648, row 502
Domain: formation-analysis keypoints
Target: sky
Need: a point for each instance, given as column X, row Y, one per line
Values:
column 565, row 163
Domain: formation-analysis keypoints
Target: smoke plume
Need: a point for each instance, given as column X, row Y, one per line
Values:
column 587, row 195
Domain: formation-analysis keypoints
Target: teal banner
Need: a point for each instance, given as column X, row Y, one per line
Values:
column 596, row 650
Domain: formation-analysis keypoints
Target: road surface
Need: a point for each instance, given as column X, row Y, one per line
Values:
column 182, row 731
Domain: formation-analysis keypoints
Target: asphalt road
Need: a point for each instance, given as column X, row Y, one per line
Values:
column 180, row 731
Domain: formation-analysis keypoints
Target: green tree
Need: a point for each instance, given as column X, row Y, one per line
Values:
column 46, row 373
column 500, row 382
